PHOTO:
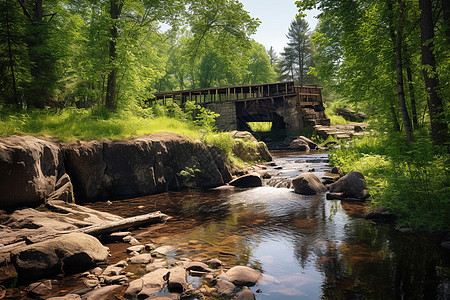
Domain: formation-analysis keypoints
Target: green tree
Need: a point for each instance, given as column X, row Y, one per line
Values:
column 297, row 57
column 260, row 69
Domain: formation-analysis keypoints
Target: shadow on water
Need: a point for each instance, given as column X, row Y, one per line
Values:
column 309, row 247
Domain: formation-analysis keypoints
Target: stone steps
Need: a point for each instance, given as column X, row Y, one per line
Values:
column 342, row 132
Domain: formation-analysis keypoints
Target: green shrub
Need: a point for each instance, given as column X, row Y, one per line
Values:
column 412, row 180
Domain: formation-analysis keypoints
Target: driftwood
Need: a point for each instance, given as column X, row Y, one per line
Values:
column 107, row 228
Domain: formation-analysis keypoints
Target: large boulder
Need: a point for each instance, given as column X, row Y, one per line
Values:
column 29, row 171
column 248, row 180
column 351, row 115
column 299, row 145
column 308, row 184
column 154, row 163
column 352, row 185
column 310, row 143
column 67, row 253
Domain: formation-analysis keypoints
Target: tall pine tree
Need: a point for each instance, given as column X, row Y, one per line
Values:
column 297, row 57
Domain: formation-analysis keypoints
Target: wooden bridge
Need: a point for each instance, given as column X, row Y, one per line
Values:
column 284, row 104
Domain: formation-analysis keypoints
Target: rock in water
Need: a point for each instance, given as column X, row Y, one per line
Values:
column 299, row 145
column 352, row 185
column 308, row 184
column 68, row 253
column 177, row 282
column 310, row 143
column 241, row 275
column 225, row 287
column 147, row 285
column 246, row 181
column 246, row 294
column 153, row 164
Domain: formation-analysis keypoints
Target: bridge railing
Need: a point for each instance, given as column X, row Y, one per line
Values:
column 228, row 93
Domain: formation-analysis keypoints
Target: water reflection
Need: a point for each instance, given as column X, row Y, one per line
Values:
column 309, row 247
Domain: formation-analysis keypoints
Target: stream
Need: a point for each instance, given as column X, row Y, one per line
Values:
column 308, row 247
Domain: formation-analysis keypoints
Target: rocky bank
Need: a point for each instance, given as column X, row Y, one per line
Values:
column 34, row 170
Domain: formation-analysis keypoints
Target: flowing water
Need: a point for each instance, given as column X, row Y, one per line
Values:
column 308, row 247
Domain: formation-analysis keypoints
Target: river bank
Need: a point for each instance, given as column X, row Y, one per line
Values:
column 280, row 233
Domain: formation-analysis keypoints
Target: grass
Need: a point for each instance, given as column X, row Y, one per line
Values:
column 97, row 124
column 89, row 124
column 260, row 126
column 412, row 180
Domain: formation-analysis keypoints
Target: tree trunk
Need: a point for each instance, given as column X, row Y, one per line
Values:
column 412, row 95
column 439, row 128
column 11, row 60
column 110, row 101
column 399, row 70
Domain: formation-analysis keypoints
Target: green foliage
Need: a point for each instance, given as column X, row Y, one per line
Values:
column 221, row 140
column 260, row 126
column 412, row 180
column 297, row 57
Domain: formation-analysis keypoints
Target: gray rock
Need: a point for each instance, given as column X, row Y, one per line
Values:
column 39, row 289
column 91, row 283
column 157, row 264
column 148, row 284
column 137, row 248
column 67, row 253
column 246, row 294
column 352, row 185
column 97, row 271
column 241, row 275
column 308, row 184
column 337, row 170
column 225, row 287
column 140, row 259
column 246, row 181
column 445, row 245
column 100, row 293
column 163, row 250
column 177, row 282
column 29, row 170
column 380, row 214
column 197, row 266
column 113, row 270
column 118, row 279
column 152, row 165
column 310, row 143
column 350, row 115
column 299, row 145
column 215, row 263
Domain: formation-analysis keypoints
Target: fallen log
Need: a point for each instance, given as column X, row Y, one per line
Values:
column 109, row 227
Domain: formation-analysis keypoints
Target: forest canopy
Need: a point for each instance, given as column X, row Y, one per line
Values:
column 115, row 53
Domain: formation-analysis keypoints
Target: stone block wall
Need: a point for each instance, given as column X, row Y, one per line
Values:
column 227, row 120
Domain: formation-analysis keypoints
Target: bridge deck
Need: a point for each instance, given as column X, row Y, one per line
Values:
column 242, row 93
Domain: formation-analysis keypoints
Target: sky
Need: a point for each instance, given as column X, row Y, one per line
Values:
column 276, row 16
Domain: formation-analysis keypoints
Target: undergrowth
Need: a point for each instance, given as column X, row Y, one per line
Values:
column 412, row 180
column 72, row 124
